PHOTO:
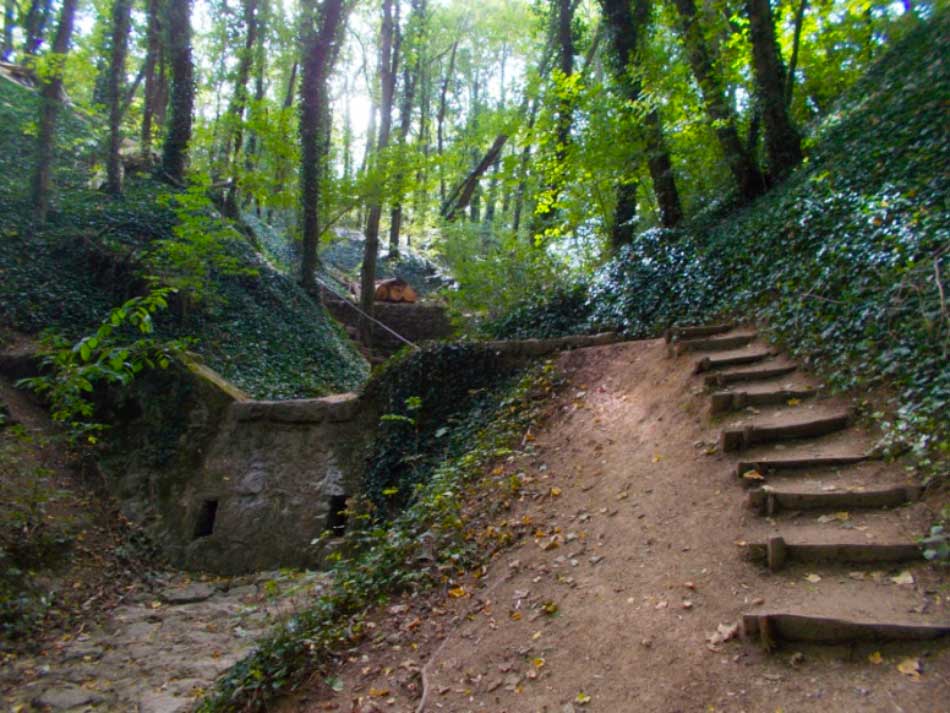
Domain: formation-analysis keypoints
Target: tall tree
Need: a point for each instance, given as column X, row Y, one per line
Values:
column 320, row 39
column 796, row 44
column 565, row 56
column 178, row 134
column 440, row 117
column 50, row 98
column 387, row 80
column 738, row 157
column 237, row 107
column 121, row 21
column 34, row 25
column 625, row 30
column 412, row 49
column 783, row 144
column 563, row 21
column 156, row 78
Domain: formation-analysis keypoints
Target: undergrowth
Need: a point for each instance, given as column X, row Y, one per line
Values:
column 423, row 546
column 30, row 537
column 845, row 264
column 425, row 396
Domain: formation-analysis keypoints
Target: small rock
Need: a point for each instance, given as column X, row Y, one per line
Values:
column 191, row 594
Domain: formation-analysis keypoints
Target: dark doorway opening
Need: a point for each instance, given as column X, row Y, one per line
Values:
column 204, row 526
column 336, row 520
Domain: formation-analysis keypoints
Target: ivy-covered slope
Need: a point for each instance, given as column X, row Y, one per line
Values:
column 846, row 263
column 254, row 325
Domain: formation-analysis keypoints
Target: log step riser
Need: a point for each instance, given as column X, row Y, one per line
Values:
column 776, row 552
column 769, row 503
column 712, row 363
column 769, row 629
column 725, row 401
column 779, row 467
column 715, row 344
column 694, row 332
column 721, row 381
column 735, row 439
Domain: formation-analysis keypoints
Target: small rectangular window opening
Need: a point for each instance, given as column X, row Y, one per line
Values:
column 336, row 520
column 204, row 526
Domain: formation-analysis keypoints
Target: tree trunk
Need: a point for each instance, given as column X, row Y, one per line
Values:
column 625, row 28
column 387, row 80
column 49, row 108
column 782, row 142
column 158, row 95
column 178, row 135
column 749, row 180
column 793, row 62
column 281, row 168
column 121, row 22
column 236, row 108
column 565, row 35
column 260, row 89
column 321, row 34
column 440, row 119
column 410, row 80
column 34, row 25
column 461, row 196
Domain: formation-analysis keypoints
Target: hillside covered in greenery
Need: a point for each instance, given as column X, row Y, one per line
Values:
column 250, row 322
column 845, row 263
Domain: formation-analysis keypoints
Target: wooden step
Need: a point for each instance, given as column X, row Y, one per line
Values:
column 714, row 344
column 770, row 628
column 733, row 439
column 681, row 333
column 710, row 363
column 777, row 465
column 769, row 501
column 725, row 401
column 776, row 552
column 721, row 380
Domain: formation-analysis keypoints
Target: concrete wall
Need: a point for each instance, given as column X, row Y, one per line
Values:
column 251, row 483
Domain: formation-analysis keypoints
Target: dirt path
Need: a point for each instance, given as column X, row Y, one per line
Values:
column 632, row 550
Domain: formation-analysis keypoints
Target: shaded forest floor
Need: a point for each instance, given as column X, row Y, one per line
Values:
column 626, row 558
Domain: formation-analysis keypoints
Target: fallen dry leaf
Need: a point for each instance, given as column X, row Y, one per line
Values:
column 753, row 475
column 813, row 578
column 910, row 668
column 723, row 633
column 904, row 577
column 876, row 658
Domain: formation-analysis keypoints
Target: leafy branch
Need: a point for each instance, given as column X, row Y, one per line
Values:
column 72, row 370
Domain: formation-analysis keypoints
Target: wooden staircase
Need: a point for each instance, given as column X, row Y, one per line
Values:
column 819, row 497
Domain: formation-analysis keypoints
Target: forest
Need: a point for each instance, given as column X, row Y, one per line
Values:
column 299, row 300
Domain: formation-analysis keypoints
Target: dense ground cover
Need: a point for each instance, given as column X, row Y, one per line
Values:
column 846, row 262
column 251, row 323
